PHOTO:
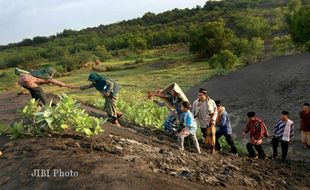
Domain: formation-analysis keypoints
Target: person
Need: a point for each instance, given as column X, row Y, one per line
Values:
column 172, row 96
column 223, row 127
column 188, row 127
column 305, row 125
column 283, row 132
column 32, row 81
column 108, row 89
column 205, row 111
column 257, row 129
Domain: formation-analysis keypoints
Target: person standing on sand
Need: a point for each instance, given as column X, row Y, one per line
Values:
column 188, row 127
column 305, row 125
column 108, row 89
column 32, row 81
column 258, row 131
column 204, row 109
column 223, row 127
column 283, row 132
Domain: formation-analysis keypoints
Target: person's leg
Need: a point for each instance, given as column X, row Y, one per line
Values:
column 110, row 108
column 204, row 132
column 284, row 146
column 231, row 143
column 184, row 133
column 217, row 142
column 213, row 131
column 195, row 141
column 260, row 150
column 275, row 143
column 251, row 151
column 38, row 94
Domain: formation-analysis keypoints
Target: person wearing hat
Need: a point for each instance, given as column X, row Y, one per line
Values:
column 283, row 132
column 223, row 127
column 305, row 125
column 34, row 79
column 257, row 129
column 108, row 89
column 205, row 112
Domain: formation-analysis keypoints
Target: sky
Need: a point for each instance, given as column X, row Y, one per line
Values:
column 21, row 19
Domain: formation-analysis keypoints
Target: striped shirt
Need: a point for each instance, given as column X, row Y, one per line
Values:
column 279, row 129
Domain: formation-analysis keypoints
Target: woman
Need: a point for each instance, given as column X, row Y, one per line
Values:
column 172, row 96
column 108, row 89
column 32, row 81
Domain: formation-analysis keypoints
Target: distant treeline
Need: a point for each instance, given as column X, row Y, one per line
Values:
column 246, row 19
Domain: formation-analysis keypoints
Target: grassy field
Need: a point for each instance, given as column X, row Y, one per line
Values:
column 159, row 68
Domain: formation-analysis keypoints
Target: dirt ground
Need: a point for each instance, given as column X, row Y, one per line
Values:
column 134, row 157
column 267, row 88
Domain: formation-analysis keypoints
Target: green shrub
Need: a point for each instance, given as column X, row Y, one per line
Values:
column 282, row 45
column 225, row 59
column 41, row 121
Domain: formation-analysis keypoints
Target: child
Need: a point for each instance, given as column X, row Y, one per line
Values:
column 258, row 131
column 188, row 127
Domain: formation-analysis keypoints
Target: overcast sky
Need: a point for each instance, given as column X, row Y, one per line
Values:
column 20, row 19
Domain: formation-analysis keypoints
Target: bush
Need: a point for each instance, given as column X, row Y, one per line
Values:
column 42, row 121
column 225, row 59
column 248, row 50
column 282, row 45
column 251, row 26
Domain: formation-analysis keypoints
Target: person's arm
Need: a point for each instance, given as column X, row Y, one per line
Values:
column 292, row 132
column 87, row 86
column 224, row 119
column 110, row 84
column 246, row 129
column 57, row 82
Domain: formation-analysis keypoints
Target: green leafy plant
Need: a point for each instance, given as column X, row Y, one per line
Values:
column 55, row 119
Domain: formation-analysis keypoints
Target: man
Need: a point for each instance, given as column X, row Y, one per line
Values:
column 258, row 131
column 34, row 79
column 283, row 132
column 108, row 89
column 188, row 127
column 205, row 111
column 305, row 125
column 223, row 127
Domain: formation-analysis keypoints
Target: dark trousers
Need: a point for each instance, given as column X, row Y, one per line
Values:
column 250, row 147
column 204, row 132
column 38, row 94
column 229, row 141
column 284, row 147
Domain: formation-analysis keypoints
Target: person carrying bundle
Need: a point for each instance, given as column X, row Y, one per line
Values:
column 172, row 96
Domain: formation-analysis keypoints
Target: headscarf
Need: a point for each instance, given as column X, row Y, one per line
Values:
column 44, row 73
column 99, row 80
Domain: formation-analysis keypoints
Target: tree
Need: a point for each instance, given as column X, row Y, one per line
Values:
column 210, row 39
column 252, row 26
column 299, row 28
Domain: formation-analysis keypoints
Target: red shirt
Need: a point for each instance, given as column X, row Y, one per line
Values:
column 257, row 129
column 305, row 121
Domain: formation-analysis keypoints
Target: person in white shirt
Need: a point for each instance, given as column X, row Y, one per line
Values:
column 205, row 112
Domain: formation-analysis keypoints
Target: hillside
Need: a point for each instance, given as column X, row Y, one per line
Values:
column 70, row 49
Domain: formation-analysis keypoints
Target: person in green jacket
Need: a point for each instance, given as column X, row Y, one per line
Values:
column 108, row 89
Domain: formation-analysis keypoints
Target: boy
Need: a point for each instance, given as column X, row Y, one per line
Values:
column 223, row 126
column 283, row 132
column 188, row 127
column 258, row 131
